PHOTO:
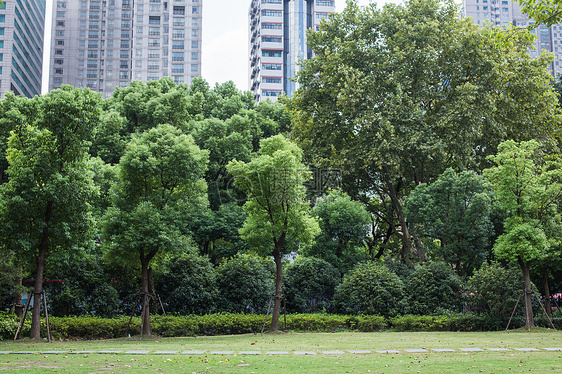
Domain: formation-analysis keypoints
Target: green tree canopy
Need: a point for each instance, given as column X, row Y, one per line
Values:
column 45, row 205
column 278, row 214
column 160, row 189
column 454, row 211
column 394, row 96
column 528, row 186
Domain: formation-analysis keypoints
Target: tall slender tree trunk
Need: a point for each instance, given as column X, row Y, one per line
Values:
column 547, row 305
column 43, row 246
column 278, row 284
column 525, row 267
column 146, row 327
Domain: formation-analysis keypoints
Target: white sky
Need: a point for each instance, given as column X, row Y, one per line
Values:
column 225, row 40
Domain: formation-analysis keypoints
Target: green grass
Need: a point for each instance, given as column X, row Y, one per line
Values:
column 432, row 362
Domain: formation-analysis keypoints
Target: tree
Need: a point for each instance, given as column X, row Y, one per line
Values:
column 544, row 12
column 278, row 214
column 45, row 205
column 455, row 212
column 160, row 189
column 344, row 225
column 528, row 186
column 396, row 96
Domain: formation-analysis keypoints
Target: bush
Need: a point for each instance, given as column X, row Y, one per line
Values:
column 310, row 284
column 370, row 288
column 245, row 284
column 494, row 290
column 433, row 287
column 187, row 284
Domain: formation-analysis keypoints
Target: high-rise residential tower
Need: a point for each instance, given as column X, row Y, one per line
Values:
column 102, row 44
column 506, row 12
column 22, row 24
column 278, row 31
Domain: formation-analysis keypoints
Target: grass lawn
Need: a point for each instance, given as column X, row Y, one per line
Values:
column 403, row 362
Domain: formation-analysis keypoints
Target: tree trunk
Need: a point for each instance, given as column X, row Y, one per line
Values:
column 407, row 246
column 35, row 332
column 146, row 328
column 547, row 305
column 278, row 285
column 525, row 267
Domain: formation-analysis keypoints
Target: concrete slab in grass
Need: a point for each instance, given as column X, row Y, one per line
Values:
column 361, row 352
column 137, row 352
column 419, row 350
column 249, row 353
column 471, row 350
column 333, row 352
column 277, row 353
column 53, row 352
column 193, row 353
column 109, row 352
column 527, row 349
column 499, row 349
column 26, row 353
column 443, row 350
column 82, row 352
column 546, row 349
column 389, row 351
column 5, row 352
column 221, row 352
column 165, row 352
column 304, row 352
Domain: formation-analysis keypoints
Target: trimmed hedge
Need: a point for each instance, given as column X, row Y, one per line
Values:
column 226, row 324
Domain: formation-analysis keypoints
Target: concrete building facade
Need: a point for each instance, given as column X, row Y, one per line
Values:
column 103, row 44
column 277, row 41
column 506, row 12
column 22, row 25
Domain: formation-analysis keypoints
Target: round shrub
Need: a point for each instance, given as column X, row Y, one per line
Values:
column 310, row 284
column 494, row 290
column 187, row 284
column 245, row 282
column 432, row 288
column 370, row 288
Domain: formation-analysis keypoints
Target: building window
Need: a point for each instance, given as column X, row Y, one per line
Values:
column 153, row 42
column 271, row 1
column 59, row 42
column 271, row 66
column 59, row 33
column 57, row 80
column 194, row 44
column 58, row 52
column 179, row 10
column 177, row 56
column 195, row 33
column 123, row 75
column 194, row 56
column 177, row 68
column 153, row 65
column 325, row 3
column 271, row 93
column 58, row 71
column 93, row 44
column 178, row 33
column 138, row 63
column 178, row 21
column 153, row 53
column 194, row 68
column 152, row 76
column 272, row 26
column 178, row 44
column 154, row 31
column 271, row 39
column 59, row 61
column 271, row 13
column 154, row 20
column 195, row 10
column 60, row 14
column 271, row 53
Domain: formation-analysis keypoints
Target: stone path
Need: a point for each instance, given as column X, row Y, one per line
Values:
column 294, row 352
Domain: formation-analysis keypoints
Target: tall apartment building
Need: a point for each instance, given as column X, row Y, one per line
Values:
column 102, row 44
column 506, row 12
column 277, row 30
column 22, row 24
